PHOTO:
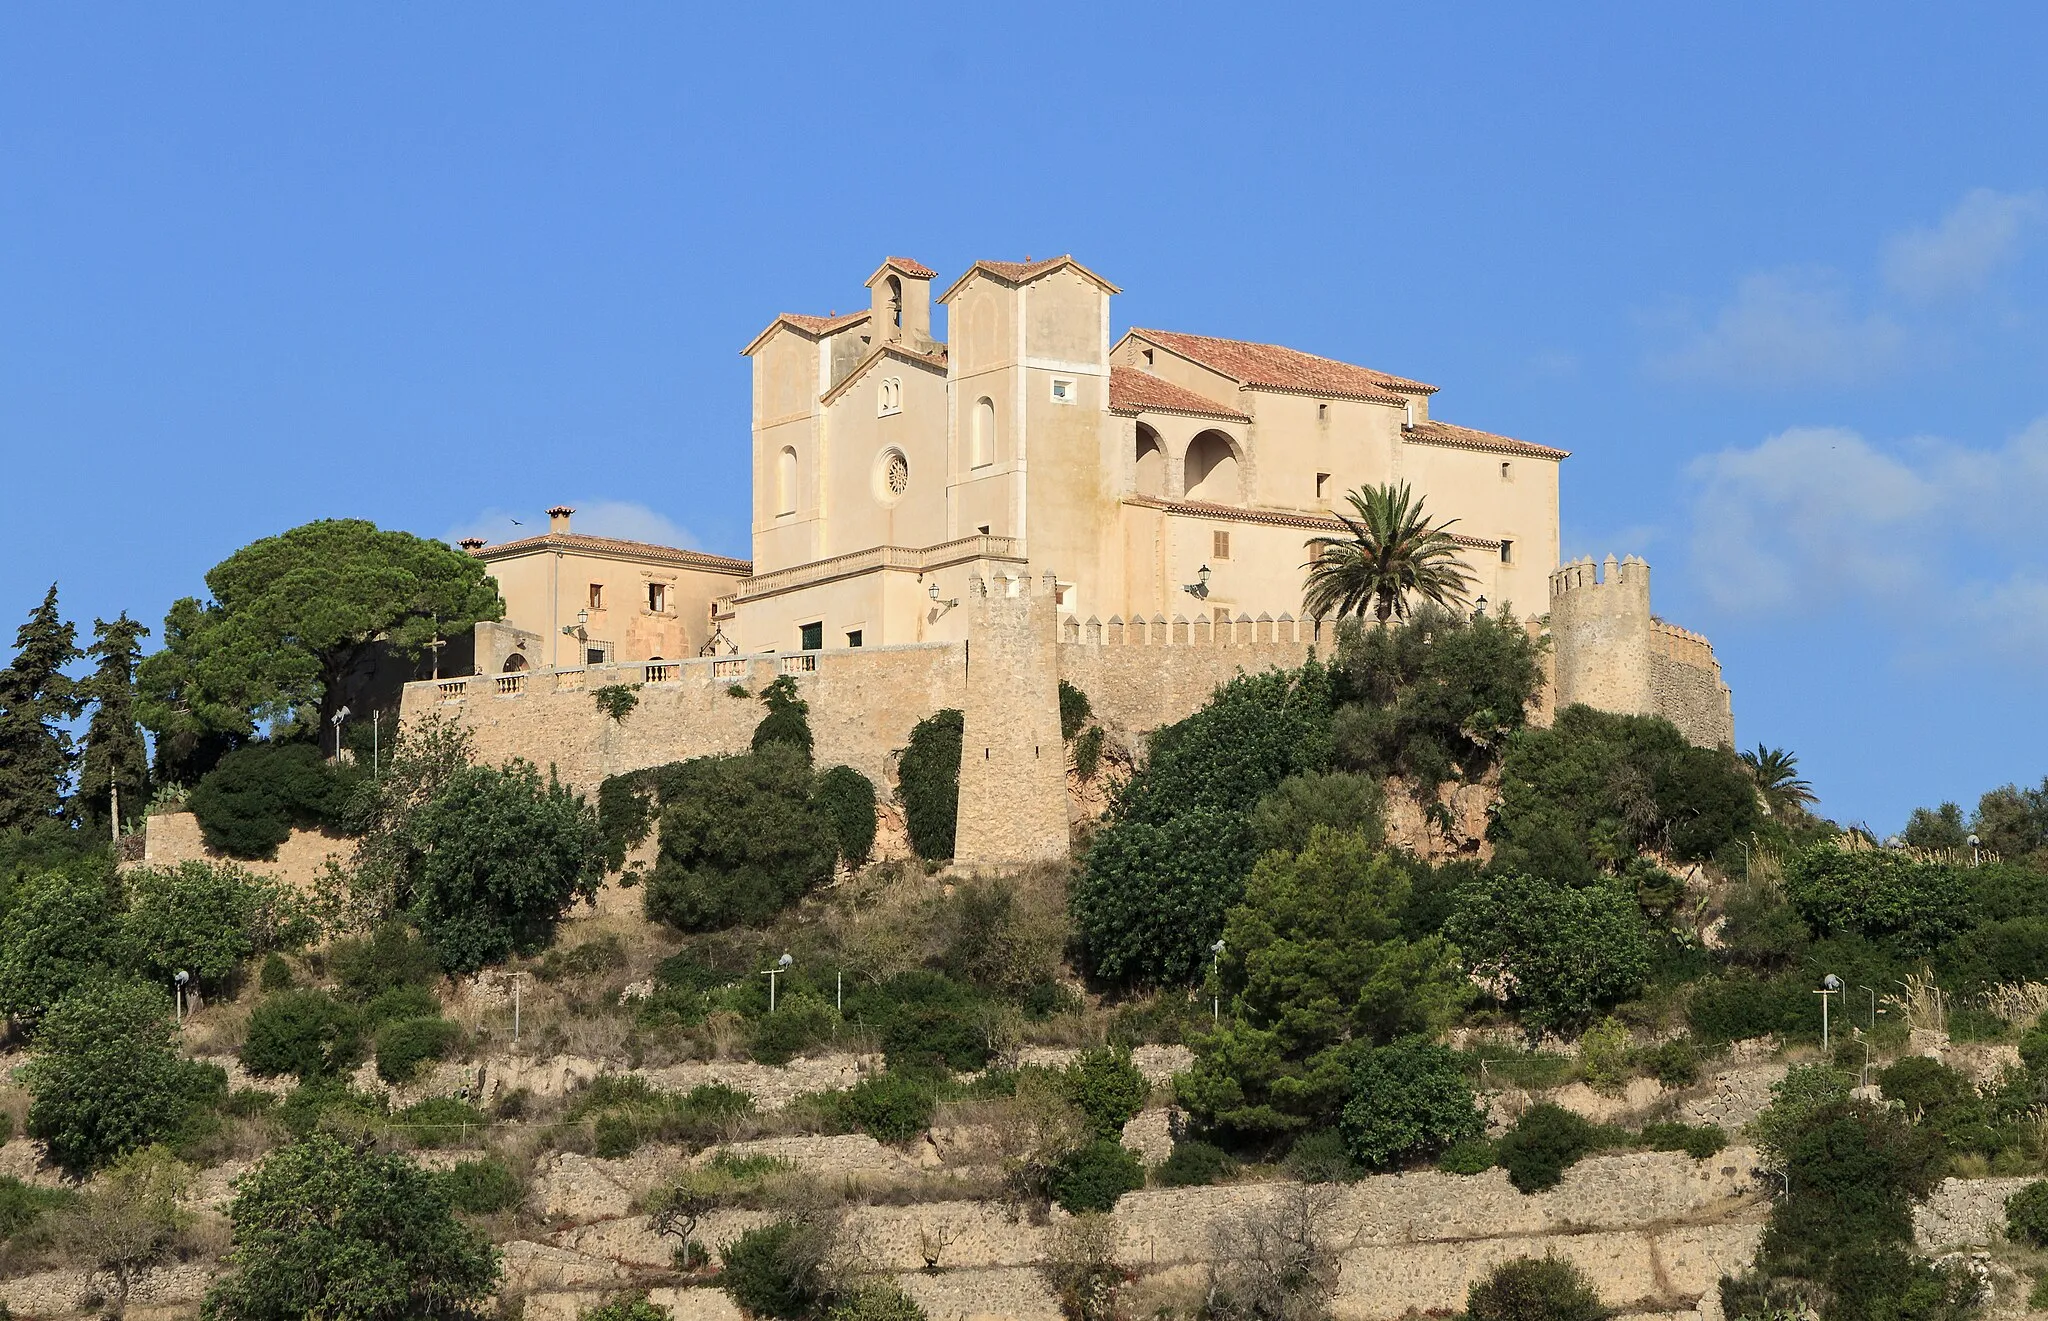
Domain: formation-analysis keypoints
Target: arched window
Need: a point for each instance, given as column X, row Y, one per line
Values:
column 895, row 301
column 983, row 452
column 514, row 663
column 1211, row 469
column 785, row 481
column 1151, row 462
column 890, row 398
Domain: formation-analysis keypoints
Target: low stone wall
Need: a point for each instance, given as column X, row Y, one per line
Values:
column 170, row 838
column 1137, row 688
column 1964, row 1213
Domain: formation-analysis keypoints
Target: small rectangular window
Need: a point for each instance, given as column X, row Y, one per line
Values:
column 853, row 638
column 1507, row 552
column 1322, row 412
column 657, row 597
column 593, row 656
column 1507, row 472
column 1322, row 485
column 597, row 596
column 1062, row 390
column 1220, row 545
column 811, row 636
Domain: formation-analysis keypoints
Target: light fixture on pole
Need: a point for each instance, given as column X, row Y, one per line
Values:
column 1479, row 608
column 1973, row 851
column 781, row 966
column 336, row 720
column 178, row 992
column 1215, row 984
column 940, row 605
column 1829, row 985
column 1199, row 588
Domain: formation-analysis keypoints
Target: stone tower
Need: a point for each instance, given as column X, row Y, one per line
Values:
column 1013, row 764
column 1600, row 627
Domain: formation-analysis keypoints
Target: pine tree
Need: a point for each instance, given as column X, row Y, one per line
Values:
column 115, row 766
column 36, row 697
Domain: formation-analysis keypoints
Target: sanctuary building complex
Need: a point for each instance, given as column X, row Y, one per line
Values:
column 1029, row 500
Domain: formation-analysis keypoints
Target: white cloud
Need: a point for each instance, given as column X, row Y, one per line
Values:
column 1939, row 537
column 1982, row 232
column 1790, row 327
column 625, row 519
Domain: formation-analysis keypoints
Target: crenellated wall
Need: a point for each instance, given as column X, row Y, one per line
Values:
column 1611, row 653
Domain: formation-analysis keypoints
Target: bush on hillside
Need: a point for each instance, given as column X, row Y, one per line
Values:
column 740, row 841
column 1880, row 895
column 407, row 1043
column 1093, row 1176
column 889, row 1107
column 1409, row 1101
column 1075, row 709
column 1178, row 843
column 106, row 1077
column 1562, row 954
column 248, row 804
column 847, row 800
column 928, row 783
column 1545, row 1142
column 504, row 855
column 1106, row 1088
column 801, row 1021
column 480, row 1187
column 2026, row 1215
column 1193, row 1165
column 307, row 1033
column 1339, row 800
column 788, row 719
column 390, row 956
column 1532, row 1289
column 778, row 1270
column 926, row 1020
column 62, row 926
column 205, row 919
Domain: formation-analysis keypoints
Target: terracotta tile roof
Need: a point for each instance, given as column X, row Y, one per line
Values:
column 1017, row 272
column 1134, row 391
column 636, row 550
column 1443, row 433
column 916, row 270
column 1272, row 517
column 813, row 326
column 1276, row 367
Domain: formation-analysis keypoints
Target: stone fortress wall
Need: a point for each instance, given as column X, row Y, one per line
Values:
column 1611, row 653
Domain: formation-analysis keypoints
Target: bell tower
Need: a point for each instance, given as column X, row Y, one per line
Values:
column 900, row 293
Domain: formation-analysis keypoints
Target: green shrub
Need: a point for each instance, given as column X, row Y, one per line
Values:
column 441, row 1121
column 204, row 919
column 480, row 1187
column 1528, row 1289
column 405, row 1044
column 1740, row 1008
column 388, row 957
column 592, row 958
column 1674, row 1063
column 60, row 928
column 23, row 1204
column 1092, row 1177
column 1408, row 1101
column 769, row 1272
column 928, row 783
column 391, row 1248
column 876, row 1302
column 1567, row 952
column 248, row 804
column 502, row 856
column 1470, row 1156
column 1322, row 1156
column 1340, row 800
column 616, row 1136
column 1088, row 752
column 2026, row 1215
column 626, row 1307
column 275, row 976
column 1697, row 1141
column 1804, row 1091
column 801, row 1020
column 1545, row 1142
column 926, row 1020
column 616, row 701
column 787, row 721
column 847, row 799
column 106, row 1077
column 889, row 1107
column 308, row 1033
column 400, row 1002
column 1106, row 1088
column 330, row 1102
column 1879, row 894
column 1192, row 1165
column 740, row 841
column 1074, row 711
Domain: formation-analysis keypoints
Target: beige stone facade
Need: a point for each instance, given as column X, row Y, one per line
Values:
column 1611, row 653
column 572, row 599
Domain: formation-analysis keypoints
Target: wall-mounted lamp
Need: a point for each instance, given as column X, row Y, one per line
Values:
column 940, row 606
column 1199, row 589
column 579, row 629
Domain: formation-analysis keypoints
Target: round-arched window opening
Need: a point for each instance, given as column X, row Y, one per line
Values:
column 892, row 476
column 514, row 663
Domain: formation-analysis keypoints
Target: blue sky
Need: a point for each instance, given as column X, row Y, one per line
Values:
column 1778, row 276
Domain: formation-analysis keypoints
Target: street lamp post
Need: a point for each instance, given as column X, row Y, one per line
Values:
column 178, row 992
column 336, row 720
column 1973, row 851
column 1829, row 985
column 781, row 966
column 1215, row 984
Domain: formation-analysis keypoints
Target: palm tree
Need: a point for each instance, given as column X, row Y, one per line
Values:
column 1775, row 772
column 1392, row 551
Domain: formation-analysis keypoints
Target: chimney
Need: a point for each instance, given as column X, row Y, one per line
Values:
column 558, row 518
column 471, row 544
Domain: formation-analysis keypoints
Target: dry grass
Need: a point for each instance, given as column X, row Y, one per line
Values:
column 2018, row 1003
column 1922, row 1004
column 221, row 1026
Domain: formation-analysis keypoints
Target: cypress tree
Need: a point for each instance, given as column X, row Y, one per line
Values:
column 36, row 697
column 115, row 766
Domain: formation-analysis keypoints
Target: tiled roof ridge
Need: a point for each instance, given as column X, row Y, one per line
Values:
column 805, row 321
column 917, row 270
column 1433, row 432
column 1132, row 390
column 1019, row 272
column 1278, row 367
column 617, row 546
